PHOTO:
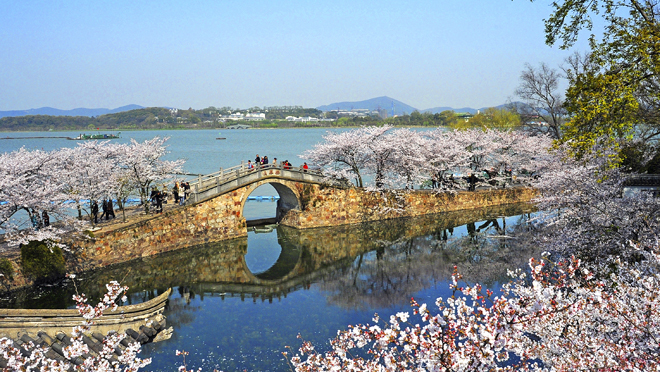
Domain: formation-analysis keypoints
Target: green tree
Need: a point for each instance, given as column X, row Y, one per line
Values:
column 613, row 90
column 491, row 118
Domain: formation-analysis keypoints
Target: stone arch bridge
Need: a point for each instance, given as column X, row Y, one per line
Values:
column 214, row 211
column 240, row 181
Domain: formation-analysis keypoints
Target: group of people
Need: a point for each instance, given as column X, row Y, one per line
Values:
column 108, row 210
column 260, row 162
column 181, row 192
column 39, row 221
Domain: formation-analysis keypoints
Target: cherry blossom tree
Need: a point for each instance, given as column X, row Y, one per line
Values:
column 595, row 216
column 144, row 167
column 30, row 184
column 89, row 171
column 33, row 357
column 558, row 317
column 345, row 155
column 401, row 158
column 600, row 311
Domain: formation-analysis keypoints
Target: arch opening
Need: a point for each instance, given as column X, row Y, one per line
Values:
column 268, row 203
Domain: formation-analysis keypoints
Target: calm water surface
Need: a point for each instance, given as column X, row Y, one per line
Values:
column 238, row 304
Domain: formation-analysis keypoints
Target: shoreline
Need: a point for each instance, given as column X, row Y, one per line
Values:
column 193, row 129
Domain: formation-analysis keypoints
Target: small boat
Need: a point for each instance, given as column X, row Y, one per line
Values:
column 99, row 136
column 220, row 138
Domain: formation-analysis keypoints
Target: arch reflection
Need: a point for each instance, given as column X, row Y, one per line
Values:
column 377, row 263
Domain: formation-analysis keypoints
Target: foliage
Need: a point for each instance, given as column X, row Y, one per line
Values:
column 491, row 118
column 42, row 261
column 6, row 269
column 613, row 90
column 142, row 166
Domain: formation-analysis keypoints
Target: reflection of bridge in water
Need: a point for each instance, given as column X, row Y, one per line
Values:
column 307, row 256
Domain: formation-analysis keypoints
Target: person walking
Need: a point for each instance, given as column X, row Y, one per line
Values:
column 111, row 209
column 33, row 219
column 46, row 218
column 104, row 207
column 95, row 211
column 175, row 192
column 159, row 201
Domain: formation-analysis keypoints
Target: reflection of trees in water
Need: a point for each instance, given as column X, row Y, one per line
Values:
column 397, row 269
column 180, row 311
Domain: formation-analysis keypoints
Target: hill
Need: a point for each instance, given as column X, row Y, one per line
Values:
column 74, row 112
column 400, row 108
column 383, row 103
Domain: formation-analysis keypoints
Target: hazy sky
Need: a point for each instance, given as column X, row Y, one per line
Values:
column 244, row 53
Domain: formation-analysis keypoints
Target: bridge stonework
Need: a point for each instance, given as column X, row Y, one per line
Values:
column 302, row 204
column 330, row 206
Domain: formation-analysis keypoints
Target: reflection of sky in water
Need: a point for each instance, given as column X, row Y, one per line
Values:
column 262, row 252
column 230, row 333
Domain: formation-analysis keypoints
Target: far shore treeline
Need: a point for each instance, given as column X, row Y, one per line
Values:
column 210, row 118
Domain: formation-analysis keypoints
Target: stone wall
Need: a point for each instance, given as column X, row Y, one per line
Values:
column 215, row 219
column 326, row 206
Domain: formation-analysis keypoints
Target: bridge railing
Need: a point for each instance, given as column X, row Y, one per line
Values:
column 225, row 175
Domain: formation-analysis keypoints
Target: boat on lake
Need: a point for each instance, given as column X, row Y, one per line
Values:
column 99, row 136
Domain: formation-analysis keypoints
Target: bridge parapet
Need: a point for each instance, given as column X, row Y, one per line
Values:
column 217, row 183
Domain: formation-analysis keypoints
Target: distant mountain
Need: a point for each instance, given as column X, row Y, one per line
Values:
column 471, row 110
column 74, row 112
column 400, row 108
column 384, row 103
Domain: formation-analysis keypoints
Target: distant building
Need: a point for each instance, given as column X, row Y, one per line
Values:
column 255, row 116
column 304, row 118
column 250, row 116
column 464, row 115
column 356, row 112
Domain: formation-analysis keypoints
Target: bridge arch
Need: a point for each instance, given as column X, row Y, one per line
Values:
column 289, row 199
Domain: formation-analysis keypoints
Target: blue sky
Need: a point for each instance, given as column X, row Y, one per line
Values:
column 69, row 54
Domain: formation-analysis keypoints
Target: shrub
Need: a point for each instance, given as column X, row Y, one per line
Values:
column 42, row 263
column 6, row 268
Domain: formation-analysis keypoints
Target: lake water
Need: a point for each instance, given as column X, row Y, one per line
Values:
column 238, row 304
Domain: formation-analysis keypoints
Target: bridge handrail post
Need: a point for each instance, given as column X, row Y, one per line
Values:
column 199, row 182
column 196, row 192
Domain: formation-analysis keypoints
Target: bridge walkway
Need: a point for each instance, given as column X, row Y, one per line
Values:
column 229, row 179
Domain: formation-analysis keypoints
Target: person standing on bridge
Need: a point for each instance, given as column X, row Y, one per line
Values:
column 257, row 161
column 274, row 162
column 264, row 161
column 186, row 190
column 250, row 166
